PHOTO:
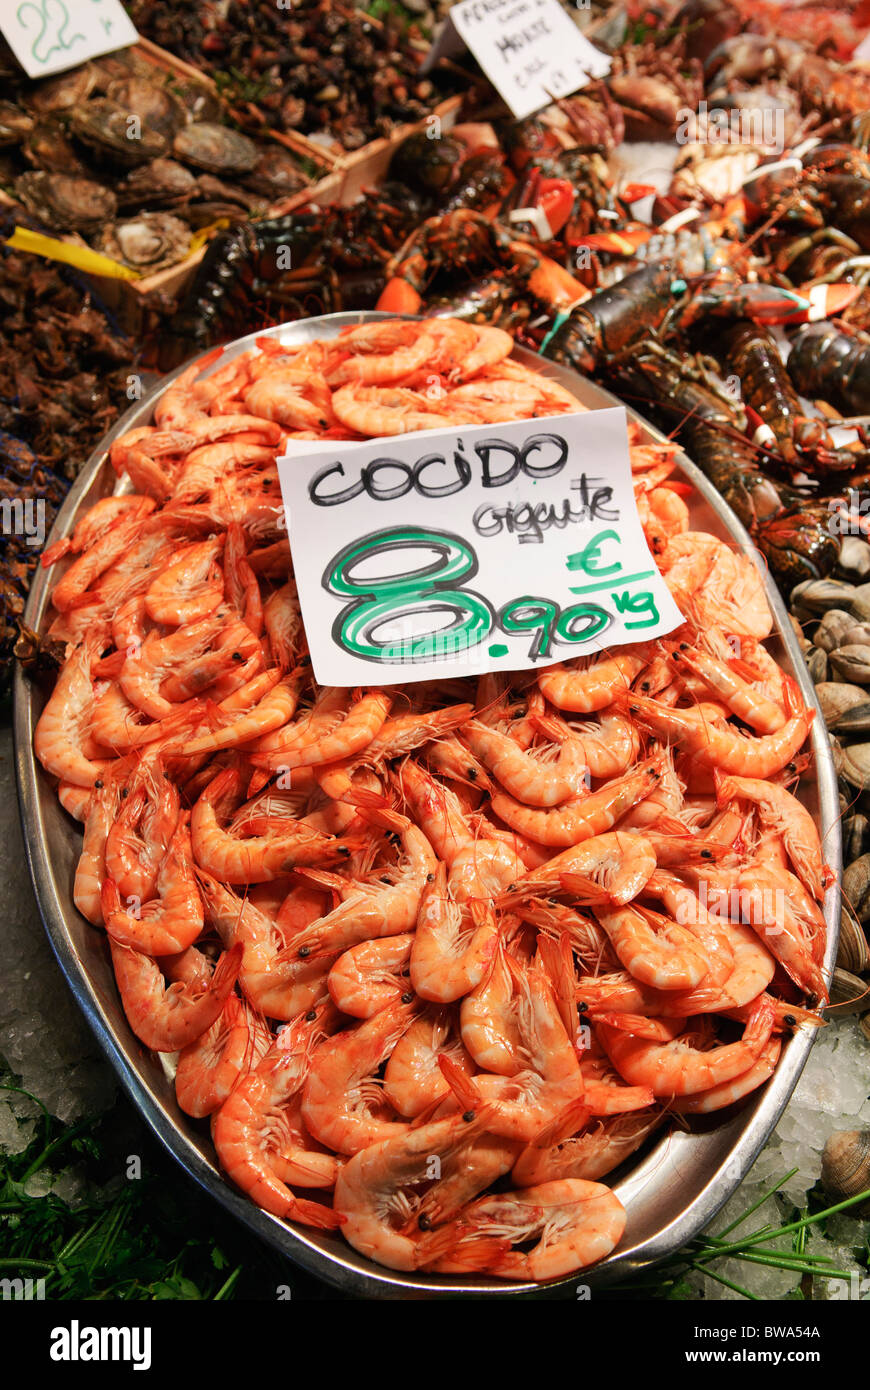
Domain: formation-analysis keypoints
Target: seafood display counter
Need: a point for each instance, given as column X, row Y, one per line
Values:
column 676, row 1183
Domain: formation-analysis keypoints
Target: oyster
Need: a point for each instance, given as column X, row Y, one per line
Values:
column 65, row 202
column 63, row 92
column 156, row 107
column 162, row 183
column 216, row 149
column 15, row 124
column 198, row 101
column 47, row 147
column 275, row 175
column 148, row 243
column 110, row 131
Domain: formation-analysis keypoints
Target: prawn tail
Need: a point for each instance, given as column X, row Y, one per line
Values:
column 313, row 1214
column 375, row 808
column 460, row 1083
column 465, row 1252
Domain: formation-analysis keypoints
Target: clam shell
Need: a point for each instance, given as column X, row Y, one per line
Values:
column 837, row 698
column 856, row 836
column 860, row 604
column 855, row 720
column 819, row 595
column 853, row 953
column 856, row 765
column 817, row 665
column 846, row 1165
column 833, row 629
column 856, row 887
column 854, row 557
column 858, row 632
column 849, row 994
column 852, row 663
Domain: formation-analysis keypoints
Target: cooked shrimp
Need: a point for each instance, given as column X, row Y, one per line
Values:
column 596, row 687
column 784, row 816
column 452, row 946
column 536, row 777
column 369, row 976
column 343, row 1106
column 566, row 1149
column 168, row 1019
column 413, row 1080
column 210, row 1067
column 584, row 816
column 655, row 950
column 61, row 733
column 618, row 863
column 575, row 1224
column 678, row 1068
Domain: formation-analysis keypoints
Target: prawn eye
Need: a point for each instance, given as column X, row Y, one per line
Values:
column 98, row 784
column 407, row 997
column 468, row 1116
column 304, row 952
column 312, row 1013
column 424, row 1222
column 237, row 656
column 430, row 878
column 706, row 854
column 343, row 849
column 471, row 773
column 582, row 1007
column 790, row 1020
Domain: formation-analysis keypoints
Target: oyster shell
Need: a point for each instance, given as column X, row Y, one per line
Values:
column 47, row 147
column 215, row 148
column 63, row 92
column 148, row 243
column 156, row 107
column 15, row 124
column 66, row 202
column 160, row 183
column 197, row 101
column 275, row 175
column 112, row 132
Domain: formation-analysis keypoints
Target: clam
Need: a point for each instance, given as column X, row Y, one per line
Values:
column 855, row 720
column 855, row 835
column 846, row 1166
column 15, row 124
column 216, row 149
column 849, row 994
column 853, row 954
column 856, row 887
column 858, row 632
column 157, row 107
column 836, row 697
column 852, row 663
column 856, row 765
column 817, row 596
column 832, row 630
column 854, row 557
column 64, row 202
column 148, row 243
column 63, row 92
column 817, row 665
column 111, row 132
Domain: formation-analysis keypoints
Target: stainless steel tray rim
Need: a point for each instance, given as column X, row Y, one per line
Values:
column 330, row 1258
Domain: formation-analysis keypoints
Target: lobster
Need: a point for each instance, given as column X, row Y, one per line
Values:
column 831, row 362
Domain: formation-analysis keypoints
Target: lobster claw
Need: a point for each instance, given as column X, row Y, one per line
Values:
column 827, row 301
column 756, row 301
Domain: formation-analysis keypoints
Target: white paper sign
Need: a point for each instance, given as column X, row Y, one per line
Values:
column 48, row 36
column 454, row 552
column 531, row 50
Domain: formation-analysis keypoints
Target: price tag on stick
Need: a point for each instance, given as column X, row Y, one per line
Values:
column 531, row 50
column 454, row 552
column 49, row 36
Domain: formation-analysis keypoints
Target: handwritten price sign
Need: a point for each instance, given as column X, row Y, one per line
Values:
column 47, row 36
column 531, row 50
column 448, row 553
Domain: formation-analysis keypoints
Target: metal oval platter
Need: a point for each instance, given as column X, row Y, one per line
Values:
column 671, row 1191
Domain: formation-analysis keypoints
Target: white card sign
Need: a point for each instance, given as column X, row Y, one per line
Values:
column 531, row 50
column 48, row 36
column 453, row 552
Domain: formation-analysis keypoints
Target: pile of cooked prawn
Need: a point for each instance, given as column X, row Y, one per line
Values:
column 434, row 959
